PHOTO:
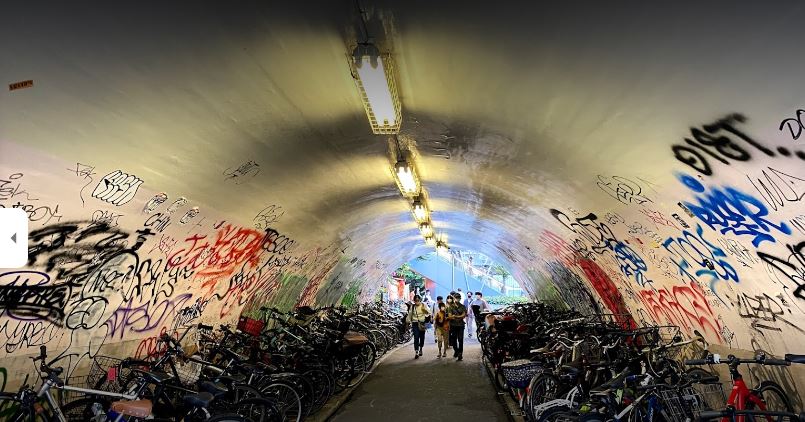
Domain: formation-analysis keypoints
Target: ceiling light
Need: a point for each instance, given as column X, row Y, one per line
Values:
column 426, row 229
column 430, row 241
column 406, row 178
column 420, row 210
column 375, row 80
column 442, row 248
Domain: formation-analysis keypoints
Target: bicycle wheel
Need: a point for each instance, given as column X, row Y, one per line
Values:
column 287, row 398
column 322, row 387
column 12, row 410
column 85, row 409
column 775, row 397
column 554, row 414
column 258, row 410
column 543, row 388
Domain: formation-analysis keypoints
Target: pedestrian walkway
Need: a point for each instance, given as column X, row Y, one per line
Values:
column 427, row 389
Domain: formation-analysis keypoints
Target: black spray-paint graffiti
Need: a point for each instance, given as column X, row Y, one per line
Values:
column 29, row 295
column 717, row 140
column 108, row 217
column 86, row 172
column 38, row 213
column 778, row 188
column 794, row 125
column 11, row 187
column 765, row 312
column 732, row 211
column 792, row 267
column 268, row 216
column 189, row 215
column 625, row 190
column 117, row 188
column 597, row 237
column 249, row 167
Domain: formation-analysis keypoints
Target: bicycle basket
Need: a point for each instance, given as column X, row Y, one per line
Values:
column 677, row 401
column 250, row 326
column 106, row 374
column 189, row 372
column 518, row 373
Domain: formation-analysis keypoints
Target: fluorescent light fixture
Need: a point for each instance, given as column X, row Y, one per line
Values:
column 426, row 229
column 375, row 81
column 430, row 241
column 406, row 178
column 420, row 210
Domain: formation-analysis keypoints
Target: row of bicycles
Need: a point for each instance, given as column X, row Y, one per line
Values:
column 563, row 366
column 282, row 366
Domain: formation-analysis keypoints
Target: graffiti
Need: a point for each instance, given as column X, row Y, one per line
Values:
column 107, row 217
column 86, row 172
column 189, row 215
column 690, row 248
column 117, row 188
column 631, row 264
column 38, row 213
column 130, row 318
column 764, row 311
column 165, row 245
column 28, row 295
column 624, row 190
column 22, row 335
column 268, row 216
column 158, row 222
column 155, row 202
column 178, row 203
column 684, row 306
column 738, row 251
column 798, row 223
column 608, row 292
column 572, row 289
column 637, row 228
column 793, row 123
column 733, row 211
column 9, row 192
column 658, row 218
column 778, row 188
column 558, row 248
column 792, row 268
column 680, row 221
column 714, row 142
column 249, row 167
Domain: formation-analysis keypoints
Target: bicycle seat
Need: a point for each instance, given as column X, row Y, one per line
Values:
column 795, row 358
column 136, row 408
column 202, row 399
column 215, row 389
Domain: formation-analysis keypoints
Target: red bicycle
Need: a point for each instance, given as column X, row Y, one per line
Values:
column 767, row 396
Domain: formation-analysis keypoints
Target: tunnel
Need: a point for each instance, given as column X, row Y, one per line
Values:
column 196, row 162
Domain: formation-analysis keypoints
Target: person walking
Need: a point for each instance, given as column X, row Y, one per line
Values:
column 477, row 306
column 456, row 315
column 442, row 328
column 418, row 316
column 468, row 320
column 435, row 309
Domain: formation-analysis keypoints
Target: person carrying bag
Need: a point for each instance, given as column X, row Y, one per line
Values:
column 419, row 315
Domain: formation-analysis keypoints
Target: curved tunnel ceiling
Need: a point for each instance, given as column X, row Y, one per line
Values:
column 513, row 111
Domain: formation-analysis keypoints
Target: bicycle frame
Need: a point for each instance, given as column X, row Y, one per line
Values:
column 739, row 396
column 47, row 385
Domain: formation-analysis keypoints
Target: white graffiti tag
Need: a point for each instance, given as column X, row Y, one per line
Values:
column 117, row 188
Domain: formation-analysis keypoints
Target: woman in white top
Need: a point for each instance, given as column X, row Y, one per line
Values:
column 418, row 315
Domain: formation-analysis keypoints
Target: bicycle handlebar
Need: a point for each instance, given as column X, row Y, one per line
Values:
column 760, row 359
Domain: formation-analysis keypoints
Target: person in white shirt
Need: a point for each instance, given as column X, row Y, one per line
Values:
column 479, row 305
column 462, row 295
column 467, row 302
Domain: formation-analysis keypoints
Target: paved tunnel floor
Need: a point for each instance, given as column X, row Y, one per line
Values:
column 426, row 389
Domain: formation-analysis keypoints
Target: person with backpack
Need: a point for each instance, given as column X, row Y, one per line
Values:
column 418, row 316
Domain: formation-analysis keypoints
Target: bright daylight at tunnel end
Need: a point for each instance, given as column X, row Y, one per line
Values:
column 369, row 210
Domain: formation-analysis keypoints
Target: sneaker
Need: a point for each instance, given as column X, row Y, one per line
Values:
column 416, row 356
column 439, row 356
column 420, row 352
column 460, row 358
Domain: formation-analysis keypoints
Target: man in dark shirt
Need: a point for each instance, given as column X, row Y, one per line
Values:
column 456, row 314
